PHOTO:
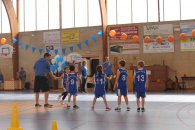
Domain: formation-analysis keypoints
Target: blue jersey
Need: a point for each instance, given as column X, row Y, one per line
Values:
column 100, row 85
column 72, row 83
column 64, row 80
column 140, row 79
column 122, row 83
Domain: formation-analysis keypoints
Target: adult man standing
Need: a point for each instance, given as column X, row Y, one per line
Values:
column 84, row 74
column 22, row 76
column 41, row 69
column 107, row 66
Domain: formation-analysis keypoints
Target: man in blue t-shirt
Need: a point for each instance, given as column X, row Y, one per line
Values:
column 107, row 66
column 41, row 69
column 84, row 74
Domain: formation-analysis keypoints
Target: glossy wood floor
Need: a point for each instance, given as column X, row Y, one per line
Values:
column 173, row 111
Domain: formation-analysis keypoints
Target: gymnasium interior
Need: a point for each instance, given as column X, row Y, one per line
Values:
column 159, row 32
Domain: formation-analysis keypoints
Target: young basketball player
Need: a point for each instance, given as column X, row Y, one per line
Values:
column 140, row 81
column 72, row 87
column 99, row 79
column 64, row 83
column 121, row 85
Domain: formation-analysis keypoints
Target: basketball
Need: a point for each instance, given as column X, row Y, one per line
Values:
column 183, row 36
column 3, row 40
column 171, row 38
column 159, row 39
column 124, row 36
column 112, row 33
column 135, row 39
column 193, row 33
column 147, row 39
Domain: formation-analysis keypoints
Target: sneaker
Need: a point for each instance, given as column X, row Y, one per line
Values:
column 118, row 109
column 108, row 108
column 68, row 107
column 128, row 108
column 138, row 109
column 37, row 105
column 48, row 105
column 143, row 109
column 75, row 107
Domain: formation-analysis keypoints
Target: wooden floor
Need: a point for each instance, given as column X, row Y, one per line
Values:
column 165, row 111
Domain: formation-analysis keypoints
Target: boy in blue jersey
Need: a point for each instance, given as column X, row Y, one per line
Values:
column 99, row 91
column 141, row 83
column 64, row 84
column 72, row 87
column 121, row 85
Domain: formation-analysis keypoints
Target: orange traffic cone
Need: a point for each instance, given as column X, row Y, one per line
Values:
column 54, row 125
column 15, row 123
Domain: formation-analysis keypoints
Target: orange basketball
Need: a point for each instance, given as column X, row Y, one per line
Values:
column 171, row 38
column 183, row 36
column 3, row 40
column 147, row 39
column 135, row 39
column 158, row 81
column 159, row 39
column 124, row 36
column 112, row 33
column 193, row 33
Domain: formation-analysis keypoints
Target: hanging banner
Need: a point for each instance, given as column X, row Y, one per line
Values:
column 52, row 42
column 189, row 43
column 70, row 36
column 6, row 51
column 153, row 31
column 119, row 46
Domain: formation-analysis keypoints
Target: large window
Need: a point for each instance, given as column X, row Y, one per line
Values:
column 171, row 10
column 139, row 11
column 30, row 22
column 67, row 13
column 81, row 14
column 112, row 8
column 152, row 10
column 187, row 9
column 123, row 11
column 42, row 14
column 94, row 13
column 5, row 21
column 54, row 14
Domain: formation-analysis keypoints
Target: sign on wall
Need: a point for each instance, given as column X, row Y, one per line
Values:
column 189, row 43
column 70, row 36
column 154, row 31
column 52, row 41
column 118, row 46
column 6, row 51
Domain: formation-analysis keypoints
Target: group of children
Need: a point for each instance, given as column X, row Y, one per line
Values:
column 70, row 79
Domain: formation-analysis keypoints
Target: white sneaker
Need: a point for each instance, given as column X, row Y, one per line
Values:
column 61, row 102
column 58, row 98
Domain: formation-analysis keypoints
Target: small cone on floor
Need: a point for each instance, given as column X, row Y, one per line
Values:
column 54, row 125
column 15, row 123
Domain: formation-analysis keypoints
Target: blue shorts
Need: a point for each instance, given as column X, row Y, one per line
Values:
column 73, row 91
column 141, row 94
column 121, row 92
column 99, row 93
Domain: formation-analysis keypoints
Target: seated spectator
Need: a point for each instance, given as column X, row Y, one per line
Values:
column 1, row 80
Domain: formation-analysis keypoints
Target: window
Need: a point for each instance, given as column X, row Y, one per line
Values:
column 139, row 11
column 187, row 9
column 94, row 13
column 81, row 18
column 42, row 14
column 21, row 16
column 5, row 21
column 152, row 10
column 30, row 23
column 172, row 10
column 111, row 5
column 124, row 11
column 67, row 13
column 54, row 14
